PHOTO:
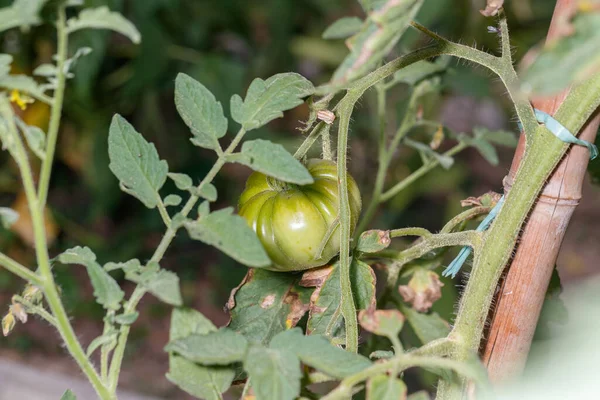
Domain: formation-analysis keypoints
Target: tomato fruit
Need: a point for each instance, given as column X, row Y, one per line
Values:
column 292, row 221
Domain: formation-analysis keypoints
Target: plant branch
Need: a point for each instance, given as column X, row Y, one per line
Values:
column 20, row 270
column 465, row 216
column 138, row 293
column 57, row 105
column 36, row 309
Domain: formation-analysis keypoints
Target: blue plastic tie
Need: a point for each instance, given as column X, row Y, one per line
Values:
column 464, row 253
column 562, row 133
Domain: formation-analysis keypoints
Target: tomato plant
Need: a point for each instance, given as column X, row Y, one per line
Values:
column 298, row 224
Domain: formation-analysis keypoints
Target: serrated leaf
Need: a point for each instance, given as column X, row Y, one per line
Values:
column 197, row 380
column 266, row 303
column 200, row 111
column 317, row 352
column 231, row 234
column 135, row 162
column 385, row 24
column 68, row 395
column 184, row 182
column 172, row 200
column 164, row 285
column 384, row 387
column 35, row 137
column 568, row 59
column 8, row 216
column 222, row 347
column 103, row 18
column 324, row 316
column 22, row 13
column 106, row 290
column 274, row 160
column 373, row 241
column 427, row 327
column 343, row 28
column 106, row 339
column 127, row 319
column 275, row 373
column 267, row 100
column 131, row 266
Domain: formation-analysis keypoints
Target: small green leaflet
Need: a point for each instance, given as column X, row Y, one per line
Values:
column 231, row 234
column 163, row 284
column 184, row 182
column 127, row 319
column 135, row 162
column 35, row 137
column 568, row 59
column 200, row 111
column 222, row 347
column 22, row 13
column 373, row 241
column 8, row 216
column 106, row 290
column 384, row 387
column 103, row 18
column 109, row 338
column 172, row 200
column 68, row 395
column 445, row 161
column 197, row 380
column 316, row 352
column 428, row 327
column 274, row 160
column 22, row 83
column 267, row 100
column 482, row 141
column 275, row 373
column 343, row 28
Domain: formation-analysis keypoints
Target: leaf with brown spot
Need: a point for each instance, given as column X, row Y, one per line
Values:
column 423, row 289
column 382, row 322
column 325, row 315
column 266, row 303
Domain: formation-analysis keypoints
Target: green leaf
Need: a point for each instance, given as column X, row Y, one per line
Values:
column 274, row 160
column 484, row 147
column 127, row 319
column 208, row 192
column 380, row 32
column 384, row 387
column 324, row 316
column 109, row 338
column 163, row 284
column 172, row 200
column 568, row 59
column 222, row 347
column 231, row 234
column 445, row 161
column 131, row 266
column 22, row 13
column 267, row 100
column 35, row 137
column 22, row 83
column 275, row 373
column 427, row 327
column 316, row 351
column 103, row 18
column 68, row 395
column 106, row 290
column 343, row 28
column 373, row 241
column 182, row 181
column 201, row 112
column 266, row 303
column 197, row 380
column 8, row 216
column 499, row 137
column 135, row 162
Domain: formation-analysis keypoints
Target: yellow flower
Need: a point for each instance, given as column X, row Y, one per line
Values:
column 19, row 99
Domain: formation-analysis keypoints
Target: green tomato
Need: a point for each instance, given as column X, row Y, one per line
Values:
column 292, row 221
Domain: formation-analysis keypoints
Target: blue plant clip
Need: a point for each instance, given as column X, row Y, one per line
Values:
column 464, row 253
column 562, row 133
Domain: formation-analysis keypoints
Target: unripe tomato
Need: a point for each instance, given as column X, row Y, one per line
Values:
column 291, row 221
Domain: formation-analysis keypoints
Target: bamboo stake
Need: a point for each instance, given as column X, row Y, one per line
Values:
column 522, row 294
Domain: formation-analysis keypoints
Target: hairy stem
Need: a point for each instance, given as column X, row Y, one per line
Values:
column 20, row 270
column 57, row 105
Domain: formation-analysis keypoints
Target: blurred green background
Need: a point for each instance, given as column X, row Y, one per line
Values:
column 225, row 44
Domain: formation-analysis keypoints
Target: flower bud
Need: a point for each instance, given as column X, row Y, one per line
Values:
column 8, row 323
